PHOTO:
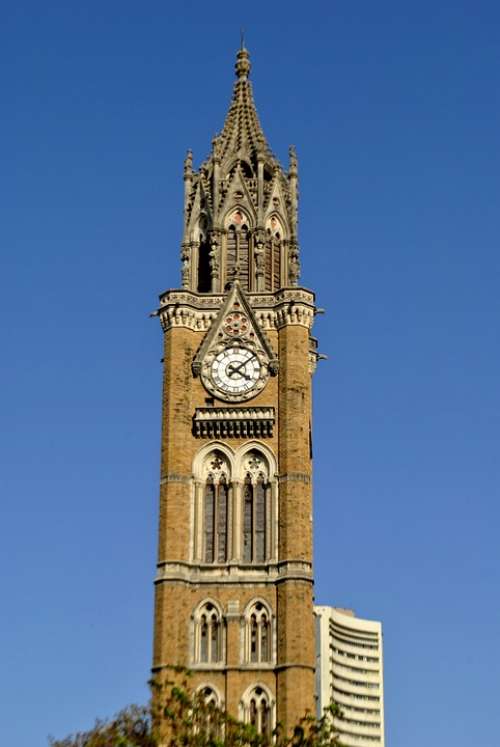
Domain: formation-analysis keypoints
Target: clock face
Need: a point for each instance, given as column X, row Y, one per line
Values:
column 235, row 370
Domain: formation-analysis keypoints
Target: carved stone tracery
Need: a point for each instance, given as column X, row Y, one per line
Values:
column 235, row 202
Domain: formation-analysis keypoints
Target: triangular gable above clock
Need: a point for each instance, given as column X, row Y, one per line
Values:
column 251, row 334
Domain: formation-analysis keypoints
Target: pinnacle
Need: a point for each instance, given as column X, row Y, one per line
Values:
column 242, row 63
column 242, row 130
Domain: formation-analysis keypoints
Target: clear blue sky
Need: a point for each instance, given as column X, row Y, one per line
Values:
column 394, row 109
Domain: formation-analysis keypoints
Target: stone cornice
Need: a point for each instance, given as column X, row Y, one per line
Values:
column 233, row 422
column 288, row 306
column 196, row 573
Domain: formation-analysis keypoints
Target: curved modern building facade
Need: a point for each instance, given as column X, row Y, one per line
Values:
column 349, row 671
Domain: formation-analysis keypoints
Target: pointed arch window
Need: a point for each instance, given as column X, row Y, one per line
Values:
column 259, row 639
column 207, row 717
column 215, row 509
column 248, row 520
column 257, row 711
column 222, row 512
column 209, row 696
column 208, row 635
column 273, row 249
column 238, row 248
column 256, row 494
column 204, row 272
column 209, row 519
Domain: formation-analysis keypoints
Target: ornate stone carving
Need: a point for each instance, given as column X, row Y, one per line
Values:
column 240, row 174
column 186, row 265
column 188, row 164
column 293, row 264
column 234, row 422
column 235, row 355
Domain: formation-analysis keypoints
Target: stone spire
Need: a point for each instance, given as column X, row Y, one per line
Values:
column 240, row 208
column 242, row 131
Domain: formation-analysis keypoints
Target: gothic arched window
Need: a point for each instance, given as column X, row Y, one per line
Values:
column 248, row 520
column 235, row 505
column 209, row 696
column 258, row 634
column 274, row 248
column 257, row 711
column 256, row 493
column 204, row 271
column 207, row 717
column 215, row 508
column 208, row 635
column 238, row 249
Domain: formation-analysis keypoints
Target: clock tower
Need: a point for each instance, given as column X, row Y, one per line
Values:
column 234, row 583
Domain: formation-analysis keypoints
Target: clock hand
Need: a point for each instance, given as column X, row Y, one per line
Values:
column 237, row 369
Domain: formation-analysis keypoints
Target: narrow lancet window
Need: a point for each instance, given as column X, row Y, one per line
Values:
column 260, row 520
column 209, row 520
column 208, row 635
column 248, row 520
column 254, row 629
column 203, row 639
column 258, row 634
column 204, row 274
column 222, row 506
column 258, row 711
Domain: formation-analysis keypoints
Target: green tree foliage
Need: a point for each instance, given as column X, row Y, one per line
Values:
column 179, row 717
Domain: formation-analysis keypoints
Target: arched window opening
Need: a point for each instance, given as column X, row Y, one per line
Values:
column 209, row 697
column 248, row 520
column 258, row 711
column 237, row 254
column 215, row 510
column 264, row 718
column 231, row 254
column 254, row 628
column 243, row 257
column 204, row 274
column 265, row 651
column 276, row 262
column 256, row 502
column 260, row 520
column 207, row 717
column 259, row 634
column 273, row 251
column 204, row 639
column 222, row 501
column 253, row 712
column 246, row 169
column 208, row 635
column 209, row 519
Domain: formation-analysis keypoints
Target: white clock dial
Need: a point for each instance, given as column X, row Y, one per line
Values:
column 235, row 370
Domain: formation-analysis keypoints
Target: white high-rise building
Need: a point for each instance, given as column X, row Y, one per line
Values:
column 349, row 670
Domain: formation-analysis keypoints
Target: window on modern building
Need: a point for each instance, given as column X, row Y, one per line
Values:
column 208, row 635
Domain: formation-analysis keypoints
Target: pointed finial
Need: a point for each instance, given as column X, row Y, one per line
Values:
column 242, row 64
column 242, row 38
